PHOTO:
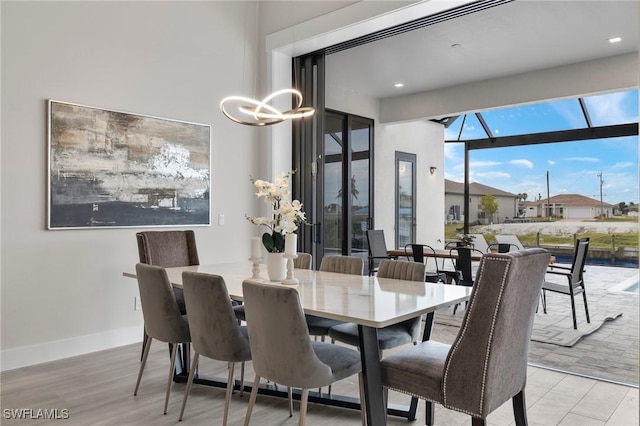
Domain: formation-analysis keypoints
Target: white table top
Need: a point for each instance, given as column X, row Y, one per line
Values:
column 369, row 301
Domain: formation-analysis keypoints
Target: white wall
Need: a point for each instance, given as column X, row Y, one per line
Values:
column 425, row 139
column 597, row 76
column 62, row 291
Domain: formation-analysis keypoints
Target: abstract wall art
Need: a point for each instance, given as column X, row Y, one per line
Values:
column 116, row 169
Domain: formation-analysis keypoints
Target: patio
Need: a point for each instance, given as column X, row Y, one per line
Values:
column 609, row 353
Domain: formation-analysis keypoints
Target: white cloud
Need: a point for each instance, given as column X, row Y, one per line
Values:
column 623, row 165
column 484, row 163
column 611, row 108
column 494, row 175
column 551, row 162
column 585, row 159
column 522, row 162
column 453, row 151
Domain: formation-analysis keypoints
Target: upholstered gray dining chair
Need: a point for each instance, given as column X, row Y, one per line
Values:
column 162, row 318
column 351, row 265
column 215, row 332
column 168, row 249
column 282, row 349
column 487, row 363
column 303, row 261
column 394, row 335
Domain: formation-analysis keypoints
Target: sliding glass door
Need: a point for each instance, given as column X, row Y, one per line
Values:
column 347, row 183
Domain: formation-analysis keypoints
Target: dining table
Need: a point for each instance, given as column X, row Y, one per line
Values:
column 368, row 301
column 437, row 253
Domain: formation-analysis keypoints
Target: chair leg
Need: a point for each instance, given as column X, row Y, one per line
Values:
column 192, row 373
column 303, row 406
column 290, row 395
column 252, row 400
column 145, row 354
column 174, row 351
column 227, row 397
column 429, row 413
column 242, row 379
column 363, row 401
column 544, row 301
column 145, row 338
column 573, row 311
column 520, row 409
column 586, row 308
column 476, row 421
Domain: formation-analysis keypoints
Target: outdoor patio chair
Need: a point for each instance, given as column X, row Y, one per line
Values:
column 510, row 239
column 575, row 281
column 417, row 255
column 502, row 248
column 479, row 242
column 377, row 248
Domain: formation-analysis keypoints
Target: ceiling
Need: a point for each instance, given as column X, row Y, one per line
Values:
column 504, row 40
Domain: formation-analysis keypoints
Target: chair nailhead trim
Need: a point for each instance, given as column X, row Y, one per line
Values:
column 489, row 342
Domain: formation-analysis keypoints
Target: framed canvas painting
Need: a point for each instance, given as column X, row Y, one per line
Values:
column 116, row 169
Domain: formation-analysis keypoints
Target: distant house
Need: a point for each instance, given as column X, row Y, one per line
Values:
column 568, row 206
column 454, row 202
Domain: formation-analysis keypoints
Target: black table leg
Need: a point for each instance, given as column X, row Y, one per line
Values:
column 370, row 357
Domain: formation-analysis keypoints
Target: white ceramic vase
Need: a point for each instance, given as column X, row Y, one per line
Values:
column 276, row 266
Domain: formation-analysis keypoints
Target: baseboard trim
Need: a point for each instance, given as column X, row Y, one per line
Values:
column 51, row 351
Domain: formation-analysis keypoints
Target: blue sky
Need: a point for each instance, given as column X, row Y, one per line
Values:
column 573, row 166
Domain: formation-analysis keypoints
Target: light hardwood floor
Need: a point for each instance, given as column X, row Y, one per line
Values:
column 97, row 389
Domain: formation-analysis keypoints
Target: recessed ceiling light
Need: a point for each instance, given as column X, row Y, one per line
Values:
column 615, row 40
column 398, row 85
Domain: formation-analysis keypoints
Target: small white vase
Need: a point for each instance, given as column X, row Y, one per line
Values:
column 276, row 266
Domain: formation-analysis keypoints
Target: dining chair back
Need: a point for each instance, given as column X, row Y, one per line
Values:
column 575, row 280
column 463, row 265
column 162, row 318
column 377, row 248
column 394, row 335
column 417, row 254
column 351, row 265
column 168, row 249
column 486, row 364
column 281, row 347
column 319, row 326
column 303, row 261
column 215, row 332
column 462, row 258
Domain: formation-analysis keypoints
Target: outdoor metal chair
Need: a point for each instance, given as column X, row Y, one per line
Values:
column 575, row 281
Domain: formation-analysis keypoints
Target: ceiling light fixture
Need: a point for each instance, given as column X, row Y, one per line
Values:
column 252, row 112
column 398, row 85
column 615, row 40
column 260, row 113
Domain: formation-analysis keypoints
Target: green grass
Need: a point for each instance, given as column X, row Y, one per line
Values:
column 597, row 240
